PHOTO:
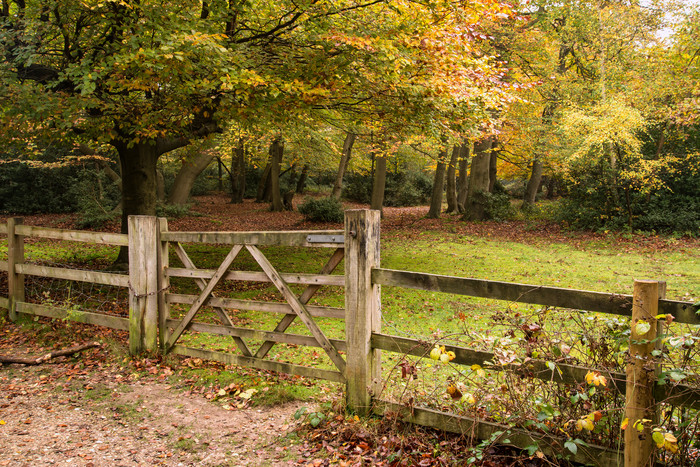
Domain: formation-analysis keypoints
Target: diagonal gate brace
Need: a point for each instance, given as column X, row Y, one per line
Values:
column 297, row 306
column 304, row 298
column 204, row 296
column 221, row 313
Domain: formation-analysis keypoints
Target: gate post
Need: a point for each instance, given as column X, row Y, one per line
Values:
column 15, row 256
column 642, row 371
column 163, row 285
column 362, row 309
column 143, row 284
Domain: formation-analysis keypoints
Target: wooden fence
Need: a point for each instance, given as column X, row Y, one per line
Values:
column 151, row 327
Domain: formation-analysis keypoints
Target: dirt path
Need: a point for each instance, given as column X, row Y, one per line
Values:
column 103, row 414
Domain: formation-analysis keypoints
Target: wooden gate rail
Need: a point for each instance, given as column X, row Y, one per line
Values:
column 272, row 336
column 283, row 238
column 256, row 276
column 254, row 305
column 252, row 362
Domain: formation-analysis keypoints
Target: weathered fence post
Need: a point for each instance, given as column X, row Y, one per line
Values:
column 15, row 256
column 362, row 308
column 163, row 284
column 642, row 373
column 143, row 284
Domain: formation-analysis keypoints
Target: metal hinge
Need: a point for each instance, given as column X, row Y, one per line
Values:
column 325, row 238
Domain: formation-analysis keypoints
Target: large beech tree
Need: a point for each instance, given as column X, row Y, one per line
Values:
column 146, row 77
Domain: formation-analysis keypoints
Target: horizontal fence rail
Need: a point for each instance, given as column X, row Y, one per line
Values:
column 561, row 372
column 481, row 429
column 105, row 278
column 79, row 316
column 618, row 304
column 102, row 238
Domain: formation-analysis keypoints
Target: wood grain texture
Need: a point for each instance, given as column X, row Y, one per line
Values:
column 289, row 238
column 253, row 362
column 101, row 238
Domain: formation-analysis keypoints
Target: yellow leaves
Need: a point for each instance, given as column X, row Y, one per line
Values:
column 439, row 353
column 588, row 422
column 479, row 371
column 596, row 379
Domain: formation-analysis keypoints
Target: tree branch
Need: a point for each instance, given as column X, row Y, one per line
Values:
column 39, row 360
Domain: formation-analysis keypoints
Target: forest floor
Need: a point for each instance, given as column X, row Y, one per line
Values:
column 102, row 408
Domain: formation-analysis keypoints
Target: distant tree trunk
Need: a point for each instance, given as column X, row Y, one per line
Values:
column 342, row 166
column 277, row 151
column 160, row 186
column 493, row 166
column 479, row 179
column 463, row 181
column 532, row 184
column 301, row 183
column 263, row 183
column 551, row 186
column 438, row 187
column 184, row 180
column 378, row 183
column 221, row 181
column 237, row 172
column 452, row 180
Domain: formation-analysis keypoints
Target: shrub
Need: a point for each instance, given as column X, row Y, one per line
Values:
column 593, row 203
column 325, row 209
column 96, row 199
column 28, row 190
column 402, row 189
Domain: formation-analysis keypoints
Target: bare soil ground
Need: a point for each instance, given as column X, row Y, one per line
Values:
column 90, row 410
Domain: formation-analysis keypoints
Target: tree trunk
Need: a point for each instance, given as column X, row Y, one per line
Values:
column 463, row 181
column 138, row 169
column 378, row 183
column 532, row 184
column 343, row 165
column 263, row 184
column 493, row 166
column 301, row 183
column 438, row 187
column 237, row 173
column 452, row 180
column 479, row 179
column 192, row 166
column 276, row 151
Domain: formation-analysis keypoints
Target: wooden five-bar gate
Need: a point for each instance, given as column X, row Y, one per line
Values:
column 356, row 358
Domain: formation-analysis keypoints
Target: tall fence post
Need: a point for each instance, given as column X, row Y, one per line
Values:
column 15, row 256
column 163, row 285
column 362, row 308
column 642, row 372
column 143, row 284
